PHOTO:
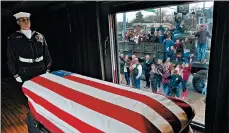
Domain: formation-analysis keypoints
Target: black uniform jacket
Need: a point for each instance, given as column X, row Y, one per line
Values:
column 19, row 46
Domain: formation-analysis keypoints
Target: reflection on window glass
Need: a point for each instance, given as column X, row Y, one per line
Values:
column 166, row 50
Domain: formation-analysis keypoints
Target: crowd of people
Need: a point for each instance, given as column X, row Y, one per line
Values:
column 168, row 76
column 172, row 45
column 156, row 35
column 170, row 72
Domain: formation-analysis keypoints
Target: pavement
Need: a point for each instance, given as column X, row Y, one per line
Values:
column 195, row 99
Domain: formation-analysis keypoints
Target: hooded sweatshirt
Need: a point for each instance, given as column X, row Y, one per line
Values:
column 186, row 73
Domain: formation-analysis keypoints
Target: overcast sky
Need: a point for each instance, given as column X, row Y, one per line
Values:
column 131, row 15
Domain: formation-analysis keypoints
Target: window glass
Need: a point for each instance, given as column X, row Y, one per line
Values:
column 170, row 42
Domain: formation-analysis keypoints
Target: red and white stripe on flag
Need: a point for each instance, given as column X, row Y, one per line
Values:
column 76, row 103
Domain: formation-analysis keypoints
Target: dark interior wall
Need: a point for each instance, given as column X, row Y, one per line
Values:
column 7, row 27
column 71, row 34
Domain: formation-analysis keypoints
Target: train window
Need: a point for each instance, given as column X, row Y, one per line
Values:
column 166, row 50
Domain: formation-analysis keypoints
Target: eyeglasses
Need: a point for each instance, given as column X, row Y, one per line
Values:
column 24, row 20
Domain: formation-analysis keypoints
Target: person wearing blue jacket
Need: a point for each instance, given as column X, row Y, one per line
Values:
column 168, row 43
column 172, row 54
column 175, row 80
column 161, row 37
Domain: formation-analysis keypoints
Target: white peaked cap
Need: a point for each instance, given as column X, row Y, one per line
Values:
column 22, row 15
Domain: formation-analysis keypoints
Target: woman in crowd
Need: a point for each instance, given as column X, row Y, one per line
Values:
column 165, row 80
column 126, row 70
column 172, row 54
column 122, row 63
column 179, row 50
column 154, row 37
column 153, row 78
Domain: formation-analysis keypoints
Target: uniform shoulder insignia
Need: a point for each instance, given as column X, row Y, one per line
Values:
column 39, row 37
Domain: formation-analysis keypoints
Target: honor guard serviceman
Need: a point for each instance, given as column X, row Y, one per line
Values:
column 28, row 54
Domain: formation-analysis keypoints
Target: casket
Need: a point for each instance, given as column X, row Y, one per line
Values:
column 65, row 102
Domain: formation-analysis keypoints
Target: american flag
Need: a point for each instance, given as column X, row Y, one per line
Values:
column 73, row 103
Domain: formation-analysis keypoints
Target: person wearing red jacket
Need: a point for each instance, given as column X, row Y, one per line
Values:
column 186, row 75
column 165, row 80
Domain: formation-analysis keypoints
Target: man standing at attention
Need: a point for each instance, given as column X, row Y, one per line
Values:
column 202, row 39
column 137, row 72
column 27, row 51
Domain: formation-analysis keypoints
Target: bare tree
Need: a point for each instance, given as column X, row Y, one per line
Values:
column 160, row 14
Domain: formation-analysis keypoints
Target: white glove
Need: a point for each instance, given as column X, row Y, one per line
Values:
column 18, row 79
column 47, row 71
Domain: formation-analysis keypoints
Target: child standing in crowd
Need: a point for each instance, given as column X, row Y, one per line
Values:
column 153, row 78
column 179, row 71
column 159, row 69
column 186, row 74
column 175, row 80
column 204, row 91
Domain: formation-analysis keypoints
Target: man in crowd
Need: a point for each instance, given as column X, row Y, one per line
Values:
column 168, row 43
column 147, row 68
column 202, row 35
column 136, row 72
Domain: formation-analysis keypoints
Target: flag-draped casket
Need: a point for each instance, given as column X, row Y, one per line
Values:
column 66, row 102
